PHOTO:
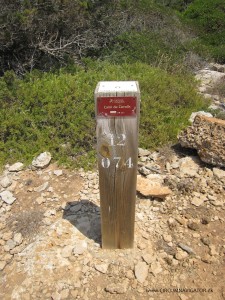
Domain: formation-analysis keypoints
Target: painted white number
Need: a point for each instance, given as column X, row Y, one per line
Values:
column 106, row 162
column 117, row 139
column 122, row 141
column 129, row 163
column 118, row 160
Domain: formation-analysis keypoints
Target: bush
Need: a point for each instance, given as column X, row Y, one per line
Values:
column 207, row 18
column 55, row 112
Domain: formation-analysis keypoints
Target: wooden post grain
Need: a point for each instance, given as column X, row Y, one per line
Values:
column 117, row 113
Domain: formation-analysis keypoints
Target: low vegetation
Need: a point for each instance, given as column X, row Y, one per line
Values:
column 55, row 111
column 53, row 53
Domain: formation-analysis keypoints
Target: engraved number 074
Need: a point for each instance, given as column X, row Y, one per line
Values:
column 106, row 162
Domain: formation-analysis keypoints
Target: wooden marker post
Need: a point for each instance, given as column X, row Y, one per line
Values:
column 117, row 112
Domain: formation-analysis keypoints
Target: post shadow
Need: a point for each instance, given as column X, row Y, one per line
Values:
column 85, row 216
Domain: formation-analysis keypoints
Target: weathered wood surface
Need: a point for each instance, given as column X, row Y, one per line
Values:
column 117, row 150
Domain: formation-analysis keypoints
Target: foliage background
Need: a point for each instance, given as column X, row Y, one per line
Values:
column 53, row 53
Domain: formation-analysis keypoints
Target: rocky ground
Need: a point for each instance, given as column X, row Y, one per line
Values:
column 50, row 240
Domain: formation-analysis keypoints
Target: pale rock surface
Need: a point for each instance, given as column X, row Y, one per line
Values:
column 201, row 113
column 154, row 189
column 119, row 288
column 189, row 165
column 207, row 136
column 218, row 173
column 5, row 182
column 197, row 201
column 102, row 268
column 141, row 271
column 16, row 167
column 80, row 247
column 42, row 160
column 143, row 152
column 7, row 197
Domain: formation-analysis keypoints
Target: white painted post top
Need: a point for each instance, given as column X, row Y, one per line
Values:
column 117, row 86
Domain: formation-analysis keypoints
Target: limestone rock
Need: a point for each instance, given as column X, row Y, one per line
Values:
column 141, row 271
column 148, row 188
column 80, row 247
column 18, row 238
column 189, row 165
column 118, row 288
column 218, row 173
column 209, row 77
column 16, row 167
column 42, row 160
column 180, row 254
column 156, row 268
column 42, row 187
column 143, row 152
column 197, row 201
column 201, row 113
column 5, row 182
column 67, row 251
column 207, row 136
column 7, row 197
column 2, row 265
column 58, row 172
column 102, row 268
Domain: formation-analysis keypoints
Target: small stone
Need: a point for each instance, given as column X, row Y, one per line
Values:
column 80, row 247
column 148, row 258
column 64, row 294
column 217, row 203
column 16, row 167
column 193, row 226
column 201, row 113
column 119, row 288
column 5, row 182
column 50, row 212
column 196, row 235
column 2, row 265
column 186, row 248
column 102, row 268
column 212, row 251
column 218, row 173
column 130, row 274
column 67, row 251
column 180, row 255
column 18, row 238
column 167, row 238
column 58, row 172
column 156, row 268
column 205, row 220
column 141, row 271
column 189, row 166
column 141, row 246
column 7, row 197
column 183, row 297
column 56, row 296
column 74, row 294
column 10, row 244
column 205, row 241
column 42, row 161
column 143, row 152
column 7, row 236
column 41, row 188
column 40, row 200
column 197, row 201
column 147, row 188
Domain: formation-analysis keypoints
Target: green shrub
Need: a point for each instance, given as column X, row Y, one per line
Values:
column 55, row 112
column 207, row 19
